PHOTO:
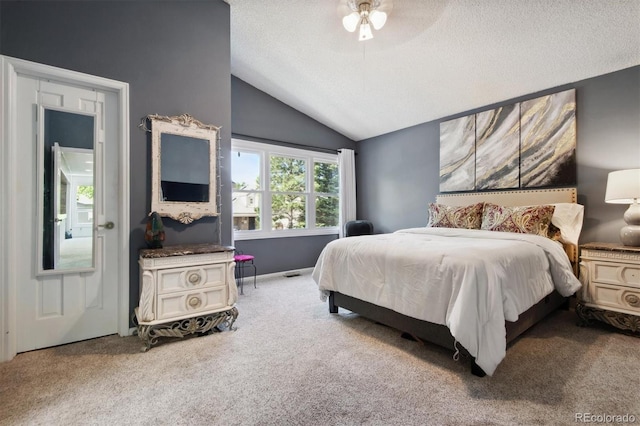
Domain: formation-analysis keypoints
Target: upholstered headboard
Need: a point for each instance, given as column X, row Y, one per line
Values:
column 524, row 197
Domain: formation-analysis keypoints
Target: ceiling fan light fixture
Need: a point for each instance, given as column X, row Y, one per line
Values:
column 365, row 13
column 365, row 32
column 351, row 21
column 377, row 19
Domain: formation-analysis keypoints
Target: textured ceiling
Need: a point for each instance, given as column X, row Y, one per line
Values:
column 433, row 58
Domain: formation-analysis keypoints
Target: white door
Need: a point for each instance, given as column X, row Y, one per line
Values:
column 56, row 305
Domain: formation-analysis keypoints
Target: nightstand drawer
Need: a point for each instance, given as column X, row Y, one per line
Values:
column 190, row 303
column 615, row 297
column 180, row 279
column 616, row 273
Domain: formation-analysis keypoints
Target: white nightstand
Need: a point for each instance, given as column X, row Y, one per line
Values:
column 185, row 289
column 610, row 276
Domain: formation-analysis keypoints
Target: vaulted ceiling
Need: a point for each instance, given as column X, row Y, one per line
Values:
column 433, row 58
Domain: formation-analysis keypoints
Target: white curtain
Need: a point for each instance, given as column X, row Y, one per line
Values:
column 347, row 169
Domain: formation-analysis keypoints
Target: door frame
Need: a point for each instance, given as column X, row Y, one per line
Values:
column 11, row 219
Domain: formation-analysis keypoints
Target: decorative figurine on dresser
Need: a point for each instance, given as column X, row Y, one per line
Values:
column 186, row 288
column 610, row 276
column 154, row 235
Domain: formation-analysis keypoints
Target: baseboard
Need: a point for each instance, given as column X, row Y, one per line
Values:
column 291, row 273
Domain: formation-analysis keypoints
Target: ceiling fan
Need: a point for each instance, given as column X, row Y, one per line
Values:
column 364, row 14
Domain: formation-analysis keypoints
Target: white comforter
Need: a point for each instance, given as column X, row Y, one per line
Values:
column 469, row 280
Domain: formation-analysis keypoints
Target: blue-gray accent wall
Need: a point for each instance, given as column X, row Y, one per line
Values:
column 398, row 173
column 259, row 117
column 175, row 57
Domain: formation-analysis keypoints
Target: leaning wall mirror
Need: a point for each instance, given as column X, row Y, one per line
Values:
column 183, row 184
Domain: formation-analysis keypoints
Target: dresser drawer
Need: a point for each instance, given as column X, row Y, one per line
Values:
column 191, row 303
column 196, row 277
column 616, row 273
column 615, row 297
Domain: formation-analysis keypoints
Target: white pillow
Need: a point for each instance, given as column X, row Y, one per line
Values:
column 568, row 218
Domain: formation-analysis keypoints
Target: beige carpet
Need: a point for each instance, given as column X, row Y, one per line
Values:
column 290, row 362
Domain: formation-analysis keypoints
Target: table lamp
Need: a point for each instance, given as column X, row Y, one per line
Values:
column 623, row 187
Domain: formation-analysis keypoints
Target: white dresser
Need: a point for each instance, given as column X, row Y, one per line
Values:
column 610, row 276
column 185, row 289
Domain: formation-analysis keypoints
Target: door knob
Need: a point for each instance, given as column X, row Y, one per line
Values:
column 108, row 225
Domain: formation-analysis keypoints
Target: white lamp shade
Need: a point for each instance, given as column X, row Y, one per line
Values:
column 377, row 19
column 623, row 187
column 350, row 22
column 365, row 32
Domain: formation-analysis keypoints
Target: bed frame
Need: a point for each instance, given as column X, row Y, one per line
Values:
column 439, row 334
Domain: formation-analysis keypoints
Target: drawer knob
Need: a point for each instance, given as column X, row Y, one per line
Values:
column 194, row 302
column 632, row 300
column 194, row 278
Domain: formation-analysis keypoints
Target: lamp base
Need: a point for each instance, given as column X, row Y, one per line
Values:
column 630, row 235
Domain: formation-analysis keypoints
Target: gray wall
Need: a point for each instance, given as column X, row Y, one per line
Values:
column 398, row 173
column 262, row 117
column 175, row 57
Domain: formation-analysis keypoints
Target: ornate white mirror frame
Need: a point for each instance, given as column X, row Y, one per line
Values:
column 183, row 152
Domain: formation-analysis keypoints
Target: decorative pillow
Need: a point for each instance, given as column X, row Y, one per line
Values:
column 568, row 217
column 443, row 216
column 521, row 219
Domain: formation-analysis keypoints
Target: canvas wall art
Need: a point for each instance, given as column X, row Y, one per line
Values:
column 457, row 154
column 548, row 142
column 498, row 148
column 530, row 144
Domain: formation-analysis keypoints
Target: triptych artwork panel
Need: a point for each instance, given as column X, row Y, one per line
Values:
column 548, row 141
column 457, row 154
column 498, row 146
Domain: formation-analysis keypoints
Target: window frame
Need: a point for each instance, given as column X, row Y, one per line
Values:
column 265, row 151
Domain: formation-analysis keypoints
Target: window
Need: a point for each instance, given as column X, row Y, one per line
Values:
column 280, row 191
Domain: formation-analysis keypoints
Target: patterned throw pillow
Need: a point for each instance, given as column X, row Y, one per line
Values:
column 522, row 219
column 443, row 216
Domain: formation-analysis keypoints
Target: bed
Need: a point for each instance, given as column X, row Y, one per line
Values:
column 470, row 290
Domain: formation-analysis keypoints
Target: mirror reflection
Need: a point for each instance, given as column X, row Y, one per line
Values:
column 68, row 195
column 184, row 168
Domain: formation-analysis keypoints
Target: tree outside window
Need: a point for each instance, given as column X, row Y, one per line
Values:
column 326, row 185
column 288, row 186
